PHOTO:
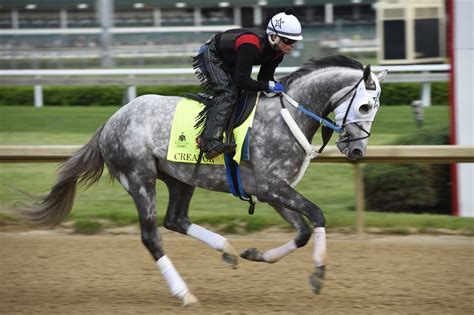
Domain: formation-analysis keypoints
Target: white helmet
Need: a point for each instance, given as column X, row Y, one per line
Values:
column 285, row 24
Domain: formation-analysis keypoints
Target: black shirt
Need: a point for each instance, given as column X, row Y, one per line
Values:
column 241, row 49
column 249, row 55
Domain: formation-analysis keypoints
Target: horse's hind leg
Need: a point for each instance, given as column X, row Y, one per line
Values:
column 275, row 254
column 143, row 193
column 177, row 220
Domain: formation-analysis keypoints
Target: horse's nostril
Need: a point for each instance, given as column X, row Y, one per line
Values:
column 356, row 154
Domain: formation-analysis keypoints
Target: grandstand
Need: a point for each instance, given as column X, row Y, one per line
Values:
column 33, row 30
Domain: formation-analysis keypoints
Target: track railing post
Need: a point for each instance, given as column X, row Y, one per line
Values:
column 426, row 94
column 359, row 198
column 131, row 88
column 38, row 91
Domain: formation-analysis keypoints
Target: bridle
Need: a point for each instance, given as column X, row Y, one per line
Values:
column 324, row 121
column 345, row 136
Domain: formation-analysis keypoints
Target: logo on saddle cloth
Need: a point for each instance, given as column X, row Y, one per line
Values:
column 182, row 145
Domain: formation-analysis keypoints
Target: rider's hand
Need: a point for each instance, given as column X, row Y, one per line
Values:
column 276, row 87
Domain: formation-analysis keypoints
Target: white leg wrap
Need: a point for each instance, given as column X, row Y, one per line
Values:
column 319, row 254
column 210, row 238
column 276, row 254
column 176, row 284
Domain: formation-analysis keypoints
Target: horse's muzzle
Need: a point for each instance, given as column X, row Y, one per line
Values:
column 355, row 154
column 343, row 147
column 352, row 151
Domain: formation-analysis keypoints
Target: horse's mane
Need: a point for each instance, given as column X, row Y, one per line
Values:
column 320, row 63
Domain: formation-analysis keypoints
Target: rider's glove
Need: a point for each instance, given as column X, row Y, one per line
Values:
column 276, row 87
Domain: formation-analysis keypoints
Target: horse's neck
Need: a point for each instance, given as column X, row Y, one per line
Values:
column 314, row 91
column 312, row 99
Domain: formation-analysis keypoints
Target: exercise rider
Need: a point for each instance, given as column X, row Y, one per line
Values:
column 224, row 66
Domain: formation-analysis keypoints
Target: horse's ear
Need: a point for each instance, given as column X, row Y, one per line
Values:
column 381, row 75
column 367, row 74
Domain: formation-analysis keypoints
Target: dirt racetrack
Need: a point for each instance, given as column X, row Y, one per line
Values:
column 57, row 273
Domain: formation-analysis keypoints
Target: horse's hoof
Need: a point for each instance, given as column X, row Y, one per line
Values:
column 230, row 260
column 252, row 254
column 316, row 279
column 189, row 300
column 229, row 255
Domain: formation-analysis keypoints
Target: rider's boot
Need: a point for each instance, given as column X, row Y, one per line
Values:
column 215, row 145
column 211, row 139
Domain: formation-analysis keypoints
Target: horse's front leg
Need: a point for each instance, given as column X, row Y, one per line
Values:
column 280, row 194
column 275, row 254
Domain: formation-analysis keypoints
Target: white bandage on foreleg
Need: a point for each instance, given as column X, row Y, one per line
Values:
column 210, row 238
column 319, row 254
column 176, row 284
column 276, row 254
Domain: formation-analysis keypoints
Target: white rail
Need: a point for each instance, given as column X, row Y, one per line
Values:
column 166, row 71
column 424, row 74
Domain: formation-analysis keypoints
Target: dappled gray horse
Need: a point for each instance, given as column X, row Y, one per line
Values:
column 134, row 143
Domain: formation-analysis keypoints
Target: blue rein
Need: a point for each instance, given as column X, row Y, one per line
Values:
column 321, row 120
column 312, row 115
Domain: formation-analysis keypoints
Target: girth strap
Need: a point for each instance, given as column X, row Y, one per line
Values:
column 235, row 182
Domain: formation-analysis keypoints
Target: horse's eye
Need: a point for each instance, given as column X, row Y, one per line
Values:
column 365, row 109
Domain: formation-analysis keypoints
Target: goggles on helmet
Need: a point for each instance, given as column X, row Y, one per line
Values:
column 287, row 41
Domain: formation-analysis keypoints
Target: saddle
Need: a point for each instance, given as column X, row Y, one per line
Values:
column 240, row 112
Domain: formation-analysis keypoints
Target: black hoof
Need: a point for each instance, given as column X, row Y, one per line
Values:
column 230, row 260
column 316, row 279
column 252, row 254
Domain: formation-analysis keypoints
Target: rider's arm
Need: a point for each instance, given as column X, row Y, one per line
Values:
column 267, row 70
column 246, row 55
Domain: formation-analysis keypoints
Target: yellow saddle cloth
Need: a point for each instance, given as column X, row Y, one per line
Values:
column 182, row 145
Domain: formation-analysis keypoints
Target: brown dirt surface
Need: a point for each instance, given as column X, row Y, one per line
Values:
column 58, row 273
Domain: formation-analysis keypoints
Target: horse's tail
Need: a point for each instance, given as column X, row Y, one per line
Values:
column 84, row 167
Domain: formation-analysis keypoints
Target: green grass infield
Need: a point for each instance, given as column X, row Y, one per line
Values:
column 107, row 204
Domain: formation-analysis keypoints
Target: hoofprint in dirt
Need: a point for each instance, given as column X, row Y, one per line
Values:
column 58, row 273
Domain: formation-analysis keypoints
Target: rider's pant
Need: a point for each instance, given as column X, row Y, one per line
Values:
column 217, row 82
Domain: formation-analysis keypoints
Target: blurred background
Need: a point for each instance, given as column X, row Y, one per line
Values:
column 44, row 46
column 157, row 33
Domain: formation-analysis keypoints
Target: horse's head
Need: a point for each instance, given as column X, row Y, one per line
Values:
column 342, row 85
column 356, row 114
